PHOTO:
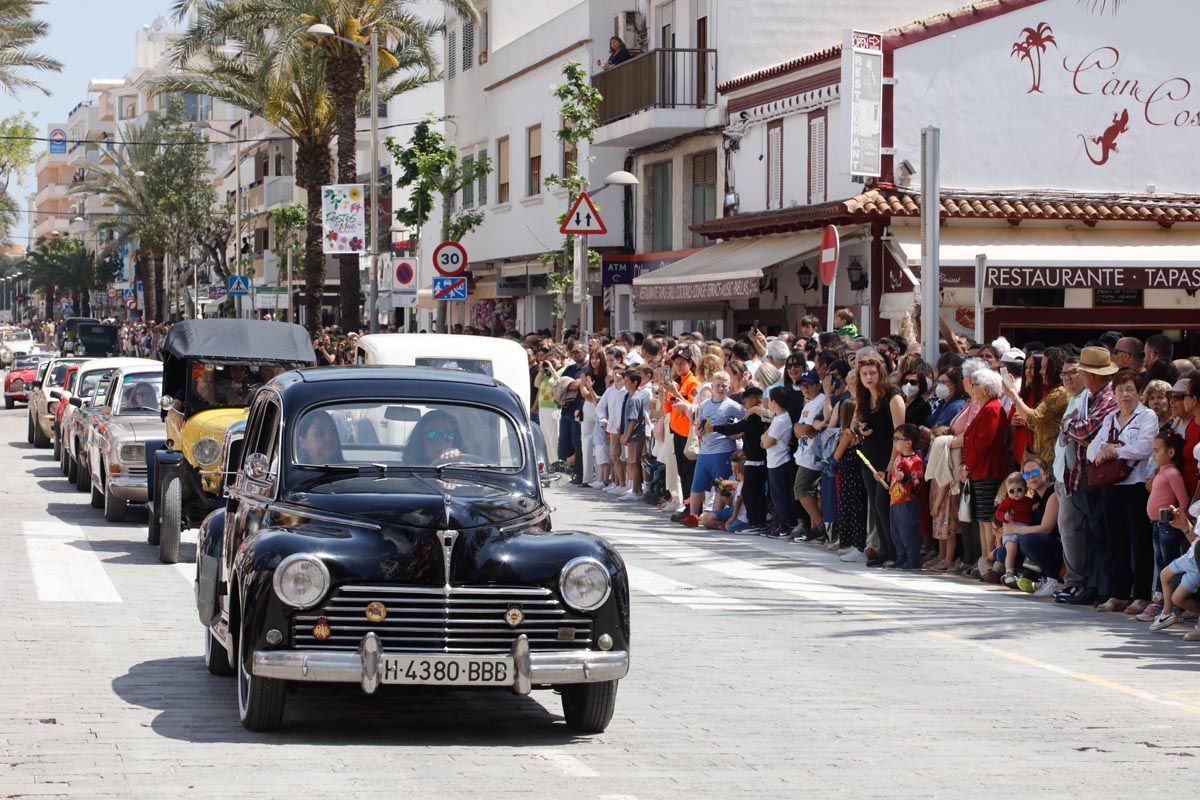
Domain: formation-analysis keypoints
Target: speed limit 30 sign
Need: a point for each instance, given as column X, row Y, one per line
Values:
column 450, row 259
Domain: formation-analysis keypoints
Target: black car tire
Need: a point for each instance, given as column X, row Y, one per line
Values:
column 83, row 478
column 58, row 448
column 169, row 521
column 588, row 707
column 153, row 529
column 62, row 459
column 216, row 657
column 29, row 433
column 40, row 439
column 97, row 494
column 9, row 402
column 114, row 509
column 72, row 470
column 260, row 700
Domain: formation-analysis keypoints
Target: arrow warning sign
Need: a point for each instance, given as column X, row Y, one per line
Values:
column 583, row 217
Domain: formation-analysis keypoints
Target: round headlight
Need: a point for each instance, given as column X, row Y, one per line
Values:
column 207, row 451
column 18, row 384
column 584, row 584
column 301, row 581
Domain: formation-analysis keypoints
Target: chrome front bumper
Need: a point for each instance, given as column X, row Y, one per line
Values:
column 131, row 488
column 363, row 667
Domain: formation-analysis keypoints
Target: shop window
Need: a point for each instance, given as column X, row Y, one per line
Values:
column 468, row 187
column 775, row 164
column 502, row 169
column 816, row 157
column 533, row 173
column 704, row 192
column 660, row 221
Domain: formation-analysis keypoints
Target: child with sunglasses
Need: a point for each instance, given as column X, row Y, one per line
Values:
column 1015, row 506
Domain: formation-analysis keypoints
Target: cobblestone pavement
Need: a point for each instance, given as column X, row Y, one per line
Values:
column 761, row 668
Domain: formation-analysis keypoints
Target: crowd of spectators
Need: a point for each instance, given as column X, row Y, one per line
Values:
column 1062, row 471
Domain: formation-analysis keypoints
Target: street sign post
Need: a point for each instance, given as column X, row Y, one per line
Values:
column 831, row 247
column 239, row 285
column 583, row 218
column 450, row 259
column 449, row 288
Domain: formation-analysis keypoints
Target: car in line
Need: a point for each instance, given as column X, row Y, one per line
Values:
column 387, row 528
column 15, row 343
column 44, row 397
column 68, row 388
column 123, row 420
column 211, row 368
column 19, row 378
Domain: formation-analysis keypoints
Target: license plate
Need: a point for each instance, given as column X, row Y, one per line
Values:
column 434, row 670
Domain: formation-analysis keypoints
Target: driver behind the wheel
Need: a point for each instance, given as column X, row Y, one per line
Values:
column 142, row 395
column 434, row 439
column 317, row 440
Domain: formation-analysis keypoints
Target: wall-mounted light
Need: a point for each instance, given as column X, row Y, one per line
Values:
column 857, row 275
column 808, row 281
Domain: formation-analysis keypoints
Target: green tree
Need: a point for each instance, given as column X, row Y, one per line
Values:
column 16, row 155
column 19, row 32
column 289, row 222
column 579, row 104
column 407, row 60
column 298, row 103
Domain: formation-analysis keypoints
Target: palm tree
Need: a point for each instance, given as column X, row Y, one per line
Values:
column 124, row 184
column 1031, row 48
column 19, row 31
column 411, row 63
column 298, row 103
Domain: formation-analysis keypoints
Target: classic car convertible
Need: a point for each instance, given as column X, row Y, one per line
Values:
column 387, row 527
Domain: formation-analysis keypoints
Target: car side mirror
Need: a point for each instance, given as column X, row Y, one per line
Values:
column 258, row 467
column 166, row 403
column 37, row 384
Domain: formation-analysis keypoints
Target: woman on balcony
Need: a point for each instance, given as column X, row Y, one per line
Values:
column 618, row 52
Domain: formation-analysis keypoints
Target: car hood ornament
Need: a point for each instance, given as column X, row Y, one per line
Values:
column 447, row 538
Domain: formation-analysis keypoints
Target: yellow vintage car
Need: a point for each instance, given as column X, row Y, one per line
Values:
column 211, row 370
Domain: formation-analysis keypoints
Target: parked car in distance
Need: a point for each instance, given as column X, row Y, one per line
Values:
column 43, row 399
column 18, row 379
column 14, row 343
column 387, row 527
column 121, row 423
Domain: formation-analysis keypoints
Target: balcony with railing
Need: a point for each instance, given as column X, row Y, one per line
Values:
column 656, row 96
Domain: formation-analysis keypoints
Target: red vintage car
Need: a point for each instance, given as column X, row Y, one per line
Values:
column 18, row 380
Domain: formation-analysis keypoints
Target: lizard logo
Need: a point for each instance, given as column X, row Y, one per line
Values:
column 1106, row 140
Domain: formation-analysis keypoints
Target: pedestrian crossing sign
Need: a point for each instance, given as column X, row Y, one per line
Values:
column 239, row 285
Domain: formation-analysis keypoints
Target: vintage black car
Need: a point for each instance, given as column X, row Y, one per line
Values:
column 387, row 526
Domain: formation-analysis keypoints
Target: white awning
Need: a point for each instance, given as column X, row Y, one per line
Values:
column 1055, row 247
column 725, row 271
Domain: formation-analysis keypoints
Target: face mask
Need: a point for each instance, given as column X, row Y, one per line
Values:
column 909, row 390
column 942, row 391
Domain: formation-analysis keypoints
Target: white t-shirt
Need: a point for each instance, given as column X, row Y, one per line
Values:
column 813, row 410
column 780, row 430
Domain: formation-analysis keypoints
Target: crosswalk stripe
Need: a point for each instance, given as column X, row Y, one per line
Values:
column 64, row 565
column 685, row 594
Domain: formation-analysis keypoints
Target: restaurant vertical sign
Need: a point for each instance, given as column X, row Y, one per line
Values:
column 862, row 96
column 343, row 218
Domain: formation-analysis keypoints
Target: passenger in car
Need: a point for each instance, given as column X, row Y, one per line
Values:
column 317, row 440
column 434, row 439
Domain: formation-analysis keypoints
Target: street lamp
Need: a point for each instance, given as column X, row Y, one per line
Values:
column 372, row 48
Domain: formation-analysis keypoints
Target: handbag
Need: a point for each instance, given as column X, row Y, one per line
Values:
column 1113, row 471
column 691, row 450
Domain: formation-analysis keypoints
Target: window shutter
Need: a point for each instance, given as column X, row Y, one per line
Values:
column 482, row 183
column 451, row 55
column 468, row 187
column 775, row 165
column 816, row 160
column 468, row 44
column 704, row 169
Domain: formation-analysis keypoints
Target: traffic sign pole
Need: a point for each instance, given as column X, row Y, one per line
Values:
column 831, row 247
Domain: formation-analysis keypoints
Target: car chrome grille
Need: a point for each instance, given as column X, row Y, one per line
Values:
column 467, row 619
column 134, row 470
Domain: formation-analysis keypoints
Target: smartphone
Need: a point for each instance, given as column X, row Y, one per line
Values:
column 755, row 324
column 1166, row 514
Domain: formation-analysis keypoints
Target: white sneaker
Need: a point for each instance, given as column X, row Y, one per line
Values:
column 1048, row 588
column 612, row 488
column 854, row 556
column 597, row 484
column 630, row 496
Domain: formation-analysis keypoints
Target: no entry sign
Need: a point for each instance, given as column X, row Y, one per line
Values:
column 830, row 246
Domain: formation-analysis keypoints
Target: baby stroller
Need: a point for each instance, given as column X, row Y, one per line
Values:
column 655, row 471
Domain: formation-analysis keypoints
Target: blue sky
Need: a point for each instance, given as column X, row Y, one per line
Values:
column 92, row 39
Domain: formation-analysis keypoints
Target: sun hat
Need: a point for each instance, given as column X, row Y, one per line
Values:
column 1182, row 386
column 1012, row 356
column 1097, row 361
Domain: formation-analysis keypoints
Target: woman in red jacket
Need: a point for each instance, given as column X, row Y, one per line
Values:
column 985, row 455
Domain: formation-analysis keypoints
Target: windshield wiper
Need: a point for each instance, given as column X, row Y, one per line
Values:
column 463, row 465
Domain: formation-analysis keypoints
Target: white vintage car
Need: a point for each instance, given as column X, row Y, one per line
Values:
column 15, row 343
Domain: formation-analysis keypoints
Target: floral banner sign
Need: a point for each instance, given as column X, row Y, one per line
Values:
column 344, row 218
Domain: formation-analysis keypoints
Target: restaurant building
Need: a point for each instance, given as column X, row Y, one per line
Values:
column 1068, row 136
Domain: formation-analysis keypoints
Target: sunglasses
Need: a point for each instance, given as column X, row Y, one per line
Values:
column 794, row 365
column 914, row 382
column 899, row 439
column 1016, row 492
column 435, row 435
column 1033, row 473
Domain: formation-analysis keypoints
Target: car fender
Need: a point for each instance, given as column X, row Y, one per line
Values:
column 208, row 570
column 156, row 449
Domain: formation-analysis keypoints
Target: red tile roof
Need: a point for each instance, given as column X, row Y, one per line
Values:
column 883, row 204
column 779, row 70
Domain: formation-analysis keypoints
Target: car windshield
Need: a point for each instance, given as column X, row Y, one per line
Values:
column 140, row 392
column 26, row 363
column 55, row 378
column 18, row 336
column 226, row 385
column 406, row 434
column 91, row 381
column 476, row 366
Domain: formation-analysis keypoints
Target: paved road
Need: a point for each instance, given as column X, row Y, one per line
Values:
column 761, row 669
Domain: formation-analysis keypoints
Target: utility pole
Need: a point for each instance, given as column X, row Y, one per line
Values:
column 931, row 143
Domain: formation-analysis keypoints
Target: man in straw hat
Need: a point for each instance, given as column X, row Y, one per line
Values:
column 1096, row 369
